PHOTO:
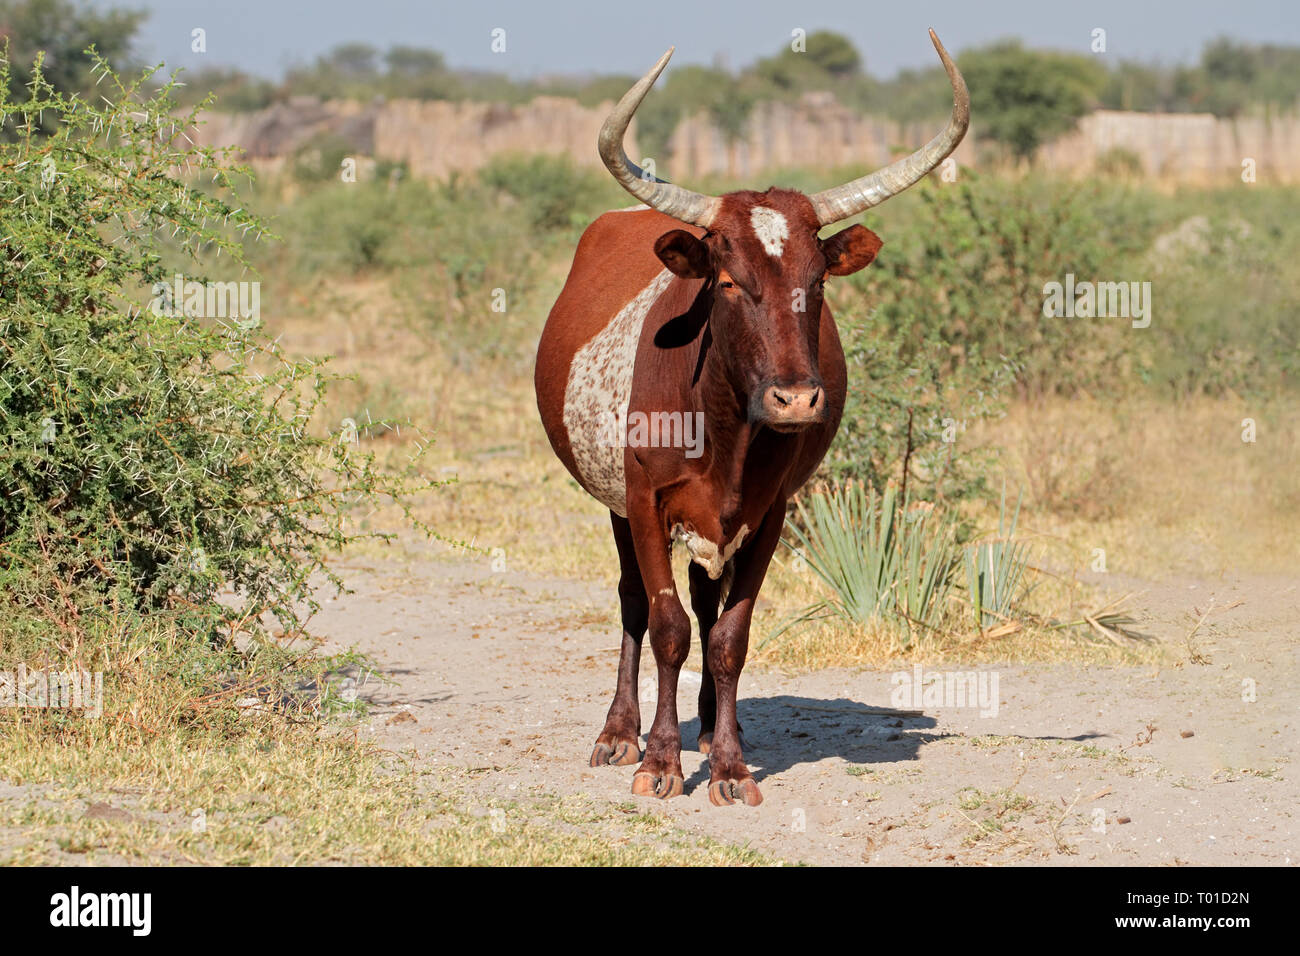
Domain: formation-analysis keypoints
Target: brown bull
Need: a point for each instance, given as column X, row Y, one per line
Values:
column 691, row 380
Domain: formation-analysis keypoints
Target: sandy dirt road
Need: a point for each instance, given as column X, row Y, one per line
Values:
column 510, row 675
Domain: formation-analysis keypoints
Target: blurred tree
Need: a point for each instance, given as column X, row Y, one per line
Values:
column 686, row 91
column 834, row 53
column 1135, row 86
column 827, row 58
column 1277, row 79
column 1227, row 72
column 413, row 61
column 417, row 73
column 235, row 90
column 1231, row 78
column 349, row 70
column 63, row 29
column 1025, row 97
column 1225, row 60
column 603, row 89
column 358, row 61
column 914, row 95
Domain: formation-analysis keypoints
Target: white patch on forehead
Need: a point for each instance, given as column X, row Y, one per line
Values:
column 771, row 228
column 597, row 394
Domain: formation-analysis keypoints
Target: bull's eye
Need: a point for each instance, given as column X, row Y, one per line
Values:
column 726, row 285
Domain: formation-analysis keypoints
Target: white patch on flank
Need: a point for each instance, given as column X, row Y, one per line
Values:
column 771, row 228
column 599, row 387
column 706, row 553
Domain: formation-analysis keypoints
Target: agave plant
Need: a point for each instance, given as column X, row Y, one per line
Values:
column 995, row 569
column 876, row 554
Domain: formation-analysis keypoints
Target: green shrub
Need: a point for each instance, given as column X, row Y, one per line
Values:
column 344, row 229
column 907, row 410
column 1119, row 162
column 158, row 468
column 555, row 193
column 320, row 159
column 972, row 266
column 948, row 322
column 1226, row 275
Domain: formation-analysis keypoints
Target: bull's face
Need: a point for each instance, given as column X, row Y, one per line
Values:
column 763, row 260
column 764, row 269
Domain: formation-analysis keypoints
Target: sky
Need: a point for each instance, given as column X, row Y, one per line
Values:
column 626, row 36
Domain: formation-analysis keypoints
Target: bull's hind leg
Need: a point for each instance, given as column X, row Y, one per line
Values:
column 619, row 742
column 729, row 778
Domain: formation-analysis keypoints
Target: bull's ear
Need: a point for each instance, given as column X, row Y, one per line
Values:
column 850, row 249
column 683, row 254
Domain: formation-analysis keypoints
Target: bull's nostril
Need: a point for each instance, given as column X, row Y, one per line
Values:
column 792, row 406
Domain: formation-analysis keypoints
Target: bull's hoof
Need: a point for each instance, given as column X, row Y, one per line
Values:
column 620, row 754
column 723, row 793
column 663, row 786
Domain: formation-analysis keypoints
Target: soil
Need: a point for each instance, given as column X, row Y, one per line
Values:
column 509, row 675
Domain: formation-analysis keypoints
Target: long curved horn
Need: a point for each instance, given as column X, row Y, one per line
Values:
column 695, row 208
column 841, row 202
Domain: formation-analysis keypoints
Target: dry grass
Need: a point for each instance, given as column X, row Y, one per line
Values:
column 1164, row 488
column 508, row 492
column 836, row 644
column 319, row 803
column 889, row 644
column 280, row 794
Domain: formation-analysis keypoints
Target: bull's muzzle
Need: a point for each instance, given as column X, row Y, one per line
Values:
column 790, row 408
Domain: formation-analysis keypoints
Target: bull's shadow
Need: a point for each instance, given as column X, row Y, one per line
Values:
column 784, row 731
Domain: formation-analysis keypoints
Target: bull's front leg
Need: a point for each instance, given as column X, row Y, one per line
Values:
column 729, row 778
column 660, row 774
